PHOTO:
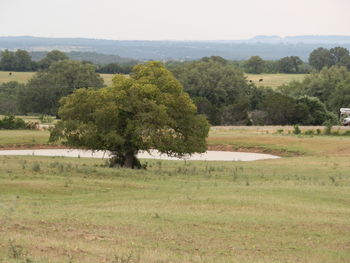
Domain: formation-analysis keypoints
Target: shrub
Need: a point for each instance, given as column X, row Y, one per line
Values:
column 309, row 132
column 296, row 129
column 35, row 167
column 9, row 122
column 327, row 128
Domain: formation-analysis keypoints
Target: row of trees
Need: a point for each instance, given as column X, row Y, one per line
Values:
column 218, row 88
column 222, row 93
column 323, row 57
column 331, row 86
column 292, row 64
column 318, row 59
column 42, row 93
column 20, row 60
column 115, row 68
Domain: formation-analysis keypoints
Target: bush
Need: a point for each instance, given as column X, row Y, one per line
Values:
column 309, row 132
column 327, row 128
column 296, row 129
column 9, row 122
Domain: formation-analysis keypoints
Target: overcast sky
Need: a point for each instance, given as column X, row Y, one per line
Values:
column 173, row 19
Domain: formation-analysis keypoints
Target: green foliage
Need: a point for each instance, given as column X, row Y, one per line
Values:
column 320, row 58
column 327, row 128
column 277, row 108
column 51, row 57
column 44, row 90
column 317, row 112
column 331, row 86
column 8, row 97
column 255, row 64
column 289, row 64
column 148, row 110
column 9, row 122
column 296, row 129
column 215, row 85
column 19, row 60
column 35, row 167
column 281, row 109
column 338, row 53
column 114, row 68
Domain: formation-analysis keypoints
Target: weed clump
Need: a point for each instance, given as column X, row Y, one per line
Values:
column 36, row 167
column 296, row 129
column 15, row 251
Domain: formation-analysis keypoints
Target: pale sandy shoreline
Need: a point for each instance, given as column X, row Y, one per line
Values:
column 207, row 156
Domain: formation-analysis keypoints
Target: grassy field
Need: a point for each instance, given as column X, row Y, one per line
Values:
column 23, row 77
column 272, row 80
column 293, row 209
column 15, row 138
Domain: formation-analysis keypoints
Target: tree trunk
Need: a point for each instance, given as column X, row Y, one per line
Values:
column 129, row 160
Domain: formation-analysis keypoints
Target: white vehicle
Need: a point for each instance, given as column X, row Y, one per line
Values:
column 345, row 116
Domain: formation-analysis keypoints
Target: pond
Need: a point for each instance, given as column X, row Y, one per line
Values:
column 207, row 156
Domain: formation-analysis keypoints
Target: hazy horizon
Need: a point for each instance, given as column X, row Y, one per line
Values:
column 174, row 20
column 194, row 40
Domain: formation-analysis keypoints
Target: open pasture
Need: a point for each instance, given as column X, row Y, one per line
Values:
column 23, row 77
column 293, row 209
column 271, row 80
column 274, row 80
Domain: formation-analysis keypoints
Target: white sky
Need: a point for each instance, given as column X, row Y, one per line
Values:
column 173, row 19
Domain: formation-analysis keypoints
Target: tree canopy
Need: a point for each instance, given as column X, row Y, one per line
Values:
column 255, row 64
column 43, row 91
column 289, row 64
column 214, row 84
column 322, row 57
column 51, row 57
column 148, row 110
column 331, row 86
column 19, row 60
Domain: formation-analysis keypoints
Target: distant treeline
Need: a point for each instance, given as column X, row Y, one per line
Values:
column 222, row 93
column 217, row 86
column 318, row 59
column 22, row 60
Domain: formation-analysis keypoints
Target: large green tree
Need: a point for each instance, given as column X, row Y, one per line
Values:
column 51, row 57
column 44, row 90
column 289, row 64
column 320, row 58
column 331, row 86
column 338, row 53
column 148, row 110
column 8, row 97
column 23, row 61
column 8, row 60
column 19, row 60
column 214, row 84
column 255, row 64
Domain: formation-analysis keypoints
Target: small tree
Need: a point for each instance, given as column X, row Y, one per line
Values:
column 255, row 64
column 148, row 110
column 320, row 58
column 45, row 88
column 52, row 57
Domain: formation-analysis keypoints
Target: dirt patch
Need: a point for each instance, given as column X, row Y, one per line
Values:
column 31, row 146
